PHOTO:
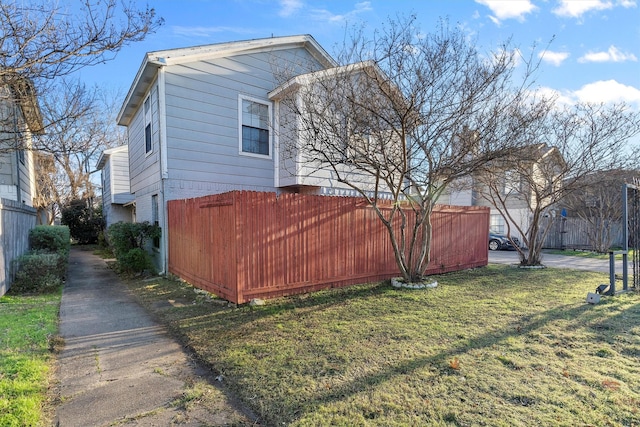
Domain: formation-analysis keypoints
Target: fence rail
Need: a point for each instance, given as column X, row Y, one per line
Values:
column 244, row 245
column 16, row 220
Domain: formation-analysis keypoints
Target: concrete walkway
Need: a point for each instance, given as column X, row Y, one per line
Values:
column 118, row 366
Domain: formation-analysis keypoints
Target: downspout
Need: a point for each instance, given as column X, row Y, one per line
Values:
column 164, row 172
column 276, row 147
column 17, row 153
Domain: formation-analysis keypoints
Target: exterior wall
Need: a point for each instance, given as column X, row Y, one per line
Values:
column 202, row 123
column 119, row 171
column 115, row 186
column 16, row 220
column 144, row 168
column 17, row 173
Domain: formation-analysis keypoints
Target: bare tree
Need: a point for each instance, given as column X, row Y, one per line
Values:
column 42, row 40
column 598, row 203
column 80, row 125
column 570, row 144
column 405, row 115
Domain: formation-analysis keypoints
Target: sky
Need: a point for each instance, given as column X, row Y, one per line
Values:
column 589, row 49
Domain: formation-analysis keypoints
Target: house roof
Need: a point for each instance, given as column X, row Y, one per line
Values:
column 104, row 156
column 305, row 79
column 25, row 95
column 155, row 60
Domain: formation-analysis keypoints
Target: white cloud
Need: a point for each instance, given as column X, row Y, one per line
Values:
column 289, row 7
column 514, row 9
column 575, row 8
column 607, row 91
column 562, row 99
column 613, row 54
column 554, row 58
column 326, row 15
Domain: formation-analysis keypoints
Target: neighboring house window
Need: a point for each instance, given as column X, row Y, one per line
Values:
column 511, row 182
column 147, row 124
column 496, row 224
column 155, row 218
column 254, row 129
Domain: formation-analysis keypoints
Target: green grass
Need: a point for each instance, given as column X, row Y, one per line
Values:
column 495, row 346
column 28, row 325
column 585, row 254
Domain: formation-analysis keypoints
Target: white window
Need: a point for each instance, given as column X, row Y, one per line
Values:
column 255, row 119
column 496, row 224
column 511, row 182
column 147, row 125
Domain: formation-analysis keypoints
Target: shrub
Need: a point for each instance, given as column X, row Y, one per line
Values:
column 128, row 241
column 135, row 261
column 49, row 238
column 84, row 223
column 39, row 272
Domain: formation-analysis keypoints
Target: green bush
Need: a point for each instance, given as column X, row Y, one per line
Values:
column 128, row 241
column 49, row 238
column 39, row 273
column 135, row 261
column 85, row 222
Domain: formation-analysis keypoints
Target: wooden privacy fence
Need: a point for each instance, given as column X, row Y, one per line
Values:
column 574, row 233
column 244, row 245
column 16, row 219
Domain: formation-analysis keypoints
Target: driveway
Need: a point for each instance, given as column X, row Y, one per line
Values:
column 557, row 261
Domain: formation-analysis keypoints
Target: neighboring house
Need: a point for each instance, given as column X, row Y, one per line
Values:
column 512, row 181
column 117, row 200
column 20, row 118
column 200, row 121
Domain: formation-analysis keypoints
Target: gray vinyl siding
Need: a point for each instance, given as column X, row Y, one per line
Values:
column 202, row 123
column 119, row 165
column 106, row 186
column 27, row 184
column 7, row 170
column 144, row 168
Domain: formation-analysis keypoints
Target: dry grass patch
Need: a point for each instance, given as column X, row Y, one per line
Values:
column 492, row 346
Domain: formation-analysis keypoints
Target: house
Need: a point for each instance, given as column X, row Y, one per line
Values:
column 512, row 187
column 20, row 118
column 117, row 200
column 205, row 120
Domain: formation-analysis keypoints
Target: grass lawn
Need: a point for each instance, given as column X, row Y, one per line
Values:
column 496, row 346
column 585, row 254
column 28, row 325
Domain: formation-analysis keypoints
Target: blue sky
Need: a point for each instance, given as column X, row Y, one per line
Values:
column 594, row 56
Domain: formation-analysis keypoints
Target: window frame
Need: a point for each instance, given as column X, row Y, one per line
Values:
column 268, row 104
column 148, row 123
column 496, row 224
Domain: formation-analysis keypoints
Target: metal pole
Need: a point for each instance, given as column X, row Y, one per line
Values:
column 625, row 238
column 612, row 273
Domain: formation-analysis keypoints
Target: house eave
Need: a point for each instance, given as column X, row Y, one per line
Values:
column 145, row 76
column 104, row 156
column 154, row 60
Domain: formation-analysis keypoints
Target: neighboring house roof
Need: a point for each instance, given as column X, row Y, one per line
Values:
column 104, row 156
column 155, row 60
